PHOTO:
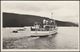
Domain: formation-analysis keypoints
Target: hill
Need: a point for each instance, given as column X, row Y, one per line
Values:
column 20, row 20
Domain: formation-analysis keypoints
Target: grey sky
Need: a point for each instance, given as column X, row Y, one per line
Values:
column 62, row 10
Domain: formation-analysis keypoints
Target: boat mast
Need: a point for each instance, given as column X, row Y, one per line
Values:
column 52, row 17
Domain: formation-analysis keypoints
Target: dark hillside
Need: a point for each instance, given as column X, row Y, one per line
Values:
column 19, row 20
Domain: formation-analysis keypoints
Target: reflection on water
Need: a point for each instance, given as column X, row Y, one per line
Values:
column 36, row 43
column 67, row 38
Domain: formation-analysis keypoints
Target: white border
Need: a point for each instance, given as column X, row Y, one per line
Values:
column 40, row 50
column 31, row 49
column 1, row 32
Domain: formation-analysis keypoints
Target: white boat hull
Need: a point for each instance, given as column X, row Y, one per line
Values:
column 42, row 33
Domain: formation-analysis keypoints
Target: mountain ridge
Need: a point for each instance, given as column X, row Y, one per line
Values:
column 20, row 20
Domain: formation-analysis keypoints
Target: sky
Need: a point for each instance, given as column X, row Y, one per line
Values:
column 62, row 10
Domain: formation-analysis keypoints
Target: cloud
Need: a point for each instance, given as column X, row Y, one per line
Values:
column 62, row 10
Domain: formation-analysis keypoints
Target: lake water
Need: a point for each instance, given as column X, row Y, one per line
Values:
column 67, row 38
